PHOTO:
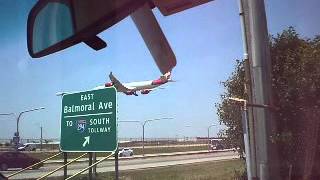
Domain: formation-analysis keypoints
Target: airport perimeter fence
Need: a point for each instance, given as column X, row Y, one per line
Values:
column 131, row 142
column 53, row 143
column 49, row 144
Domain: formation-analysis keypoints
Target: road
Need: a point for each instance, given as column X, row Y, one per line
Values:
column 133, row 147
column 168, row 146
column 130, row 164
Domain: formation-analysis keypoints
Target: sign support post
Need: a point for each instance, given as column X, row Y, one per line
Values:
column 65, row 169
column 94, row 168
column 90, row 163
column 116, row 164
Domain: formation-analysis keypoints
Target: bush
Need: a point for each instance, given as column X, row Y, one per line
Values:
column 240, row 175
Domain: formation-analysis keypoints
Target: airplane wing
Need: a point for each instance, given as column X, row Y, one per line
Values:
column 154, row 38
column 117, row 84
column 169, row 7
column 152, row 34
column 147, row 91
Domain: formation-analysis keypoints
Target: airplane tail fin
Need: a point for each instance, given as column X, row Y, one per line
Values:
column 166, row 76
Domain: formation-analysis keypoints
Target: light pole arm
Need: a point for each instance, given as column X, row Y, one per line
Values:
column 130, row 121
column 246, row 104
column 6, row 114
column 20, row 114
column 145, row 122
column 157, row 119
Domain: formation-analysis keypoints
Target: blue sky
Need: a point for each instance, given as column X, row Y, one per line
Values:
column 206, row 41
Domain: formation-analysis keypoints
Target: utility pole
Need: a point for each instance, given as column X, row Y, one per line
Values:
column 256, row 37
column 260, row 90
column 243, row 13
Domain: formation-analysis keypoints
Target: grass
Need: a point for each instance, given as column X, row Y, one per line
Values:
column 169, row 149
column 138, row 151
column 222, row 170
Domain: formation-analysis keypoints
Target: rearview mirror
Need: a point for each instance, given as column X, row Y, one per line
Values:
column 54, row 25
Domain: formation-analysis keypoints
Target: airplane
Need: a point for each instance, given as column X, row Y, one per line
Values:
column 145, row 87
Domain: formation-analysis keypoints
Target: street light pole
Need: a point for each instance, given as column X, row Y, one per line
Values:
column 40, row 138
column 208, row 132
column 17, row 136
column 143, row 138
column 209, row 135
column 143, row 126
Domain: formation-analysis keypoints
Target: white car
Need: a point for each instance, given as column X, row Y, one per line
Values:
column 125, row 152
column 27, row 147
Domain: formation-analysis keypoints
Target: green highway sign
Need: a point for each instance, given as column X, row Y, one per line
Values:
column 89, row 121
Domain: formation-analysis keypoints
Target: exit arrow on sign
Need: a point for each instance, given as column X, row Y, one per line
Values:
column 86, row 141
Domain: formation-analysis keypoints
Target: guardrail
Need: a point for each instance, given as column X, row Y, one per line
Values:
column 66, row 164
column 94, row 164
column 57, row 169
column 34, row 165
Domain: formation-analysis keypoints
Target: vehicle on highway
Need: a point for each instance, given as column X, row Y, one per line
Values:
column 27, row 147
column 17, row 160
column 216, row 145
column 125, row 152
column 219, row 147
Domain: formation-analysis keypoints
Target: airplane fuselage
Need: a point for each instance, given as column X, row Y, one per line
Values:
column 138, row 86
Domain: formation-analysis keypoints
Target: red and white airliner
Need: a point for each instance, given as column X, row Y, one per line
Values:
column 145, row 87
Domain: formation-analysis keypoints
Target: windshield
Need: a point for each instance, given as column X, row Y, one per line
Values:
column 196, row 89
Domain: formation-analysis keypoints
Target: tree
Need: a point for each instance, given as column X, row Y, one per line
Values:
column 296, row 94
column 229, row 114
column 296, row 87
